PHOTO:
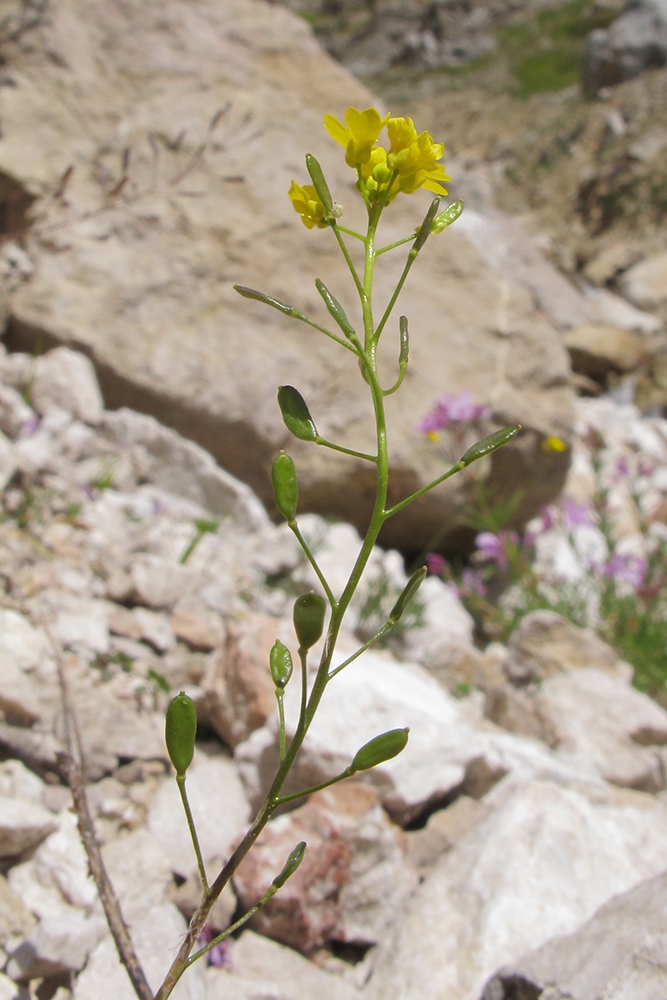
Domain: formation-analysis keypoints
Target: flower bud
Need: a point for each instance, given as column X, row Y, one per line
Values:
column 285, row 486
column 490, row 444
column 291, row 865
column 382, row 748
column 180, row 731
column 280, row 661
column 296, row 414
column 309, row 612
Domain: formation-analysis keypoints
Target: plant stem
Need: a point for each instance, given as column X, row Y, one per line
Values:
column 180, row 781
column 313, row 562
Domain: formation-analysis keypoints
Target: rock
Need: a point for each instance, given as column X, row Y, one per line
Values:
column 466, row 667
column 57, row 944
column 102, row 270
column 546, row 643
column 354, row 877
column 8, row 988
column 20, row 639
column 8, row 461
column 66, row 379
column 22, row 825
column 443, row 830
column 519, row 711
column 477, row 909
column 618, row 256
column 219, row 807
column 56, row 878
column 20, row 703
column 635, row 42
column 262, row 968
column 239, row 692
column 196, row 625
column 444, row 624
column 17, row 782
column 618, row 953
column 606, row 722
column 645, row 284
column 158, row 582
column 597, row 350
column 607, row 309
column 139, row 870
column 16, row 920
column 14, row 411
column 153, row 935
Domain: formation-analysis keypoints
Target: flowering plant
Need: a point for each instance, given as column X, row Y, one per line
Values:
column 410, row 163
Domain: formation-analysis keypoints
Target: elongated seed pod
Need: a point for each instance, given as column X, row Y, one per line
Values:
column 285, row 486
column 319, row 183
column 425, row 228
column 180, row 731
column 309, row 612
column 490, row 444
column 291, row 865
column 409, row 591
column 280, row 661
column 445, row 218
column 335, row 309
column 381, row 748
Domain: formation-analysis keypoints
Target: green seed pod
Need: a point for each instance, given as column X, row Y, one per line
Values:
column 180, row 731
column 336, row 310
column 285, row 486
column 250, row 293
column 409, row 591
column 319, row 183
column 450, row 214
column 291, row 865
column 296, row 414
column 309, row 612
column 382, row 748
column 405, row 342
column 489, row 444
column 425, row 228
column 280, row 661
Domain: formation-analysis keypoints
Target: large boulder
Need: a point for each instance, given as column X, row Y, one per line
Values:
column 635, row 42
column 134, row 241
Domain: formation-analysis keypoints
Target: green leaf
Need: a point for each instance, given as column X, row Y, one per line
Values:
column 490, row 444
column 381, row 748
column 296, row 414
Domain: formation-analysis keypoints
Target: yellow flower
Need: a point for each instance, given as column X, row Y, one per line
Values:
column 361, row 134
column 553, row 443
column 415, row 157
column 433, row 436
column 307, row 203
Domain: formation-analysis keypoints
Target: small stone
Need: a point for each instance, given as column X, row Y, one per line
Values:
column 8, row 461
column 159, row 583
column 443, row 830
column 195, row 624
column 16, row 920
column 598, row 350
column 67, row 379
column 57, row 944
column 645, row 284
column 22, row 825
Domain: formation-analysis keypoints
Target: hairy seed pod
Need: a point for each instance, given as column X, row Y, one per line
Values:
column 309, row 612
column 180, row 731
column 285, row 486
column 280, row 661
column 381, row 748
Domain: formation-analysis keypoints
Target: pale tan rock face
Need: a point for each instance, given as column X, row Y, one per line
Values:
column 145, row 284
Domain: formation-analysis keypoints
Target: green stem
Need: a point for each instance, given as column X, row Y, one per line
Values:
column 346, row 255
column 399, row 243
column 397, row 384
column 316, row 788
column 180, row 781
column 271, row 891
column 313, row 562
column 316, row 326
column 350, row 232
column 367, row 645
column 280, row 697
column 436, row 482
column 345, row 451
column 412, row 256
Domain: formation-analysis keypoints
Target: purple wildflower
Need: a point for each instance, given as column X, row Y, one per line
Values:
column 473, row 581
column 435, row 564
column 626, row 568
column 495, row 547
column 576, row 513
column 621, row 469
column 453, row 409
column 31, row 425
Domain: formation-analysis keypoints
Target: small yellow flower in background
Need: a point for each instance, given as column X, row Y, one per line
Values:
column 433, row 436
column 553, row 443
column 307, row 203
column 361, row 134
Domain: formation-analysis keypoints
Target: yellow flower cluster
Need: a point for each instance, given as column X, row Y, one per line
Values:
column 410, row 163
